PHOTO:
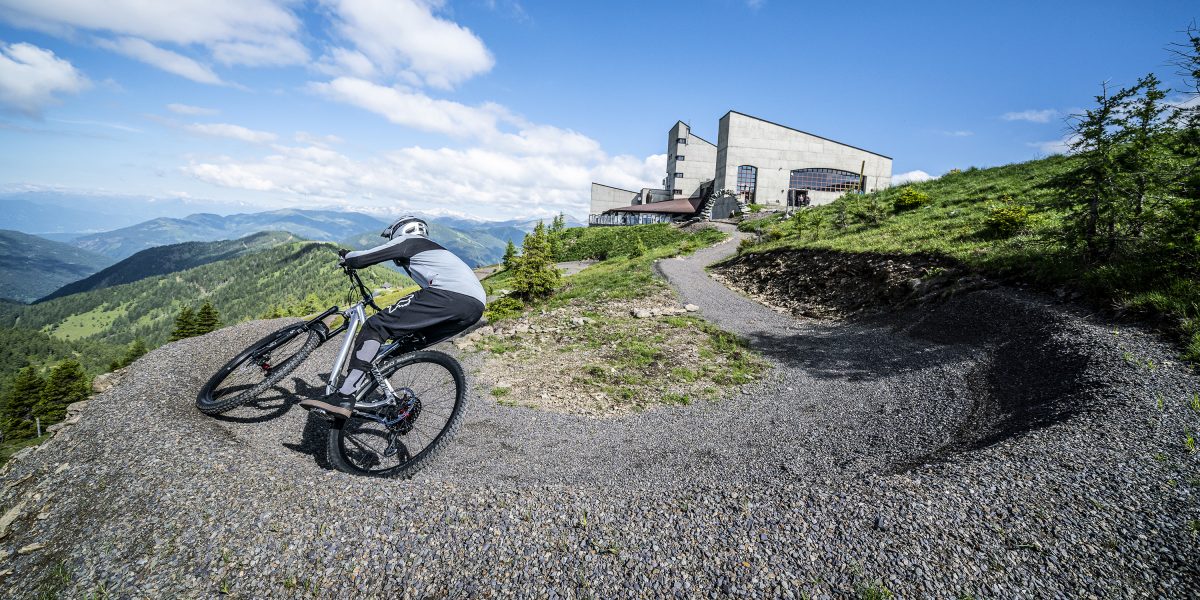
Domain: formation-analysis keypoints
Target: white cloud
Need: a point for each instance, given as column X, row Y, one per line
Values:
column 411, row 109
column 238, row 31
column 958, row 133
column 496, row 183
column 911, row 177
column 755, row 4
column 171, row 62
column 304, row 137
column 404, row 37
column 236, row 132
column 31, row 77
column 186, row 109
column 1033, row 116
column 1052, row 147
column 275, row 51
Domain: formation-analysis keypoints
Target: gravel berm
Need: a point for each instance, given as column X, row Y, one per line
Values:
column 995, row 445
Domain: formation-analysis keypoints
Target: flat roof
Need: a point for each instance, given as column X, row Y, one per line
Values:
column 806, row 133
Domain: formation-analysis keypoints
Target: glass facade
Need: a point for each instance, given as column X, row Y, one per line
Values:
column 747, row 182
column 824, row 180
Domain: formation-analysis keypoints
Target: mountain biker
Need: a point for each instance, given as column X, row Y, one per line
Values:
column 450, row 300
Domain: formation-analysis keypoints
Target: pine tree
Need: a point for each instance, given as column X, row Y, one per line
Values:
column 536, row 275
column 67, row 384
column 555, row 234
column 135, row 351
column 17, row 412
column 510, row 256
column 207, row 319
column 185, row 324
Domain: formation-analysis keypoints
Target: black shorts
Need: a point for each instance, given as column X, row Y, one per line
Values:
column 436, row 314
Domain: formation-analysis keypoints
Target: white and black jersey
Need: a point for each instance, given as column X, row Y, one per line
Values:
column 426, row 261
column 450, row 300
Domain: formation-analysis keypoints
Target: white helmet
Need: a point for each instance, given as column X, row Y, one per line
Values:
column 407, row 225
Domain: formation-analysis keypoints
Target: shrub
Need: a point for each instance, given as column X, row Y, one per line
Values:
column 638, row 249
column 1007, row 218
column 745, row 244
column 869, row 210
column 754, row 208
column 910, row 199
column 503, row 308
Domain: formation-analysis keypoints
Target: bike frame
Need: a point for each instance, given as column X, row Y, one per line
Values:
column 352, row 320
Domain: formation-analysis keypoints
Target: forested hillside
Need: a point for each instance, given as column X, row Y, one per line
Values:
column 169, row 259
column 31, row 267
column 247, row 287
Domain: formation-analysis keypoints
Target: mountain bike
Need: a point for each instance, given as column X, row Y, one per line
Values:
column 405, row 410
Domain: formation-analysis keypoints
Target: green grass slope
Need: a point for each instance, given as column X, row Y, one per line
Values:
column 954, row 224
column 31, row 267
column 169, row 259
column 242, row 288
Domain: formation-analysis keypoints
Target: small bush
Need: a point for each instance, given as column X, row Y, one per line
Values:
column 754, row 208
column 1008, row 218
column 869, row 210
column 744, row 245
column 503, row 308
column 909, row 199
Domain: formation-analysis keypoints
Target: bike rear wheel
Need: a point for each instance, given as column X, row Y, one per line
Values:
column 418, row 425
column 257, row 368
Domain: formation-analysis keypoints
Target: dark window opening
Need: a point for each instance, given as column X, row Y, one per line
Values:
column 679, row 157
column 825, row 180
column 679, row 174
column 747, row 182
column 681, row 140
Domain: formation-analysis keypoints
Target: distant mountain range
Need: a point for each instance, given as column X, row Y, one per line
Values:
column 308, row 224
column 31, row 267
column 161, row 260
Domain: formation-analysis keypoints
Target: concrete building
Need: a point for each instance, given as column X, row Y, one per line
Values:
column 767, row 163
column 756, row 161
column 691, row 161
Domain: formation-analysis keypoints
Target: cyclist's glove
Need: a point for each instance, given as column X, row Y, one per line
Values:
column 342, row 252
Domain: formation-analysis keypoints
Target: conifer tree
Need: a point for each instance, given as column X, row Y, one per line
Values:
column 555, row 234
column 207, row 319
column 67, row 384
column 185, row 324
column 510, row 256
column 536, row 275
column 17, row 412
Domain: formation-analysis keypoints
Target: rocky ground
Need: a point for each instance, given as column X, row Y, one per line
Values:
column 993, row 444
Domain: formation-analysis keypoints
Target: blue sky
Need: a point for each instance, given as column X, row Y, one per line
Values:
column 503, row 108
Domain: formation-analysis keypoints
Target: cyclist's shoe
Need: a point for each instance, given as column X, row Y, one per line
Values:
column 332, row 405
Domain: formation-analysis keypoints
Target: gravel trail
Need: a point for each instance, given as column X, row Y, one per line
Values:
column 996, row 445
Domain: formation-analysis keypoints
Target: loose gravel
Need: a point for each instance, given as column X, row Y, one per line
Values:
column 993, row 445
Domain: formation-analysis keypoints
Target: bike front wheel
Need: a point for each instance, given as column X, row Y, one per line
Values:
column 257, row 368
column 402, row 436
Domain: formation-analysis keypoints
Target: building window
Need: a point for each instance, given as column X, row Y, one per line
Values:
column 825, row 180
column 681, row 141
column 679, row 175
column 679, row 157
column 677, row 192
column 747, row 183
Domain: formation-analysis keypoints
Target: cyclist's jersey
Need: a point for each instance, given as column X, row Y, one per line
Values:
column 427, row 262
